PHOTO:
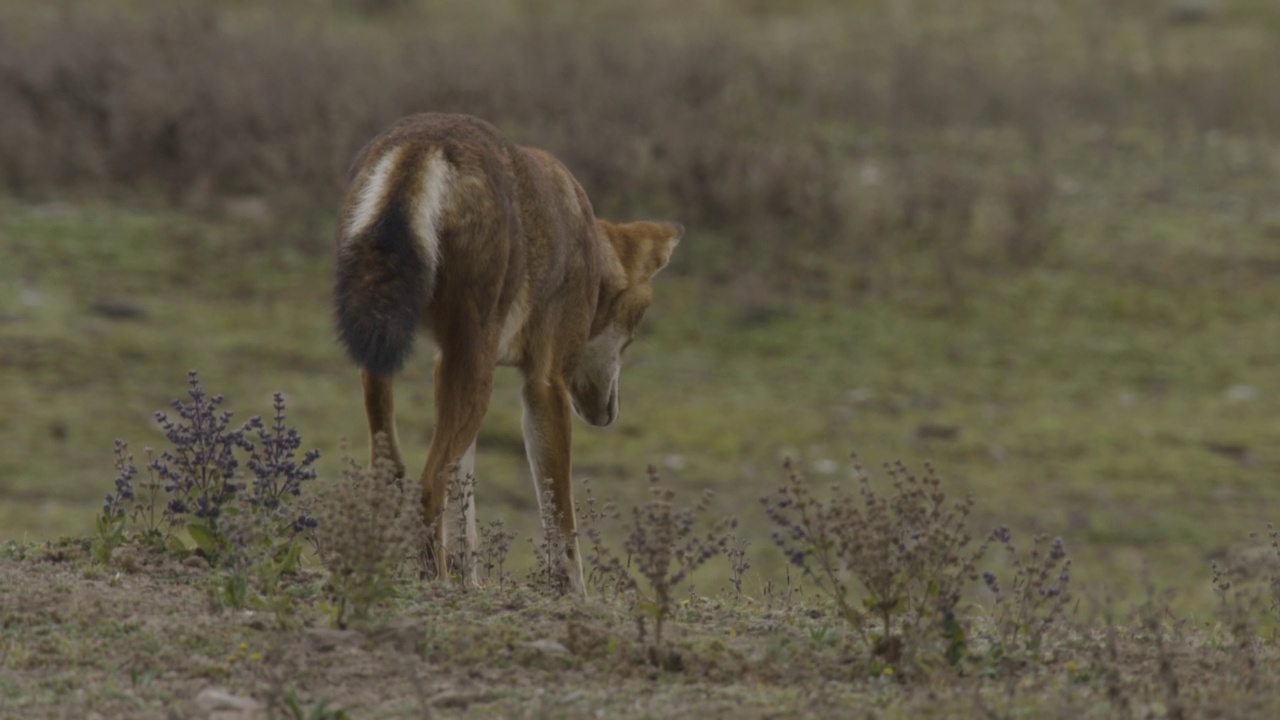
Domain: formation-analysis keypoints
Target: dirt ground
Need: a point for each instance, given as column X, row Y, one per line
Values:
column 82, row 641
column 142, row 639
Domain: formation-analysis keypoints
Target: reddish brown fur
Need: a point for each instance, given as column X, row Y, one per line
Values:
column 514, row 230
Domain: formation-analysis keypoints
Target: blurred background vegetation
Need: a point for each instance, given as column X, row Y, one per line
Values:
column 1035, row 241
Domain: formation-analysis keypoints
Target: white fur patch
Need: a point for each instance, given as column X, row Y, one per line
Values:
column 517, row 316
column 601, row 359
column 534, row 446
column 436, row 178
column 596, row 377
column 373, row 193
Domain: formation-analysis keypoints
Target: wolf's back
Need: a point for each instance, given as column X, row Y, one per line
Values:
column 388, row 250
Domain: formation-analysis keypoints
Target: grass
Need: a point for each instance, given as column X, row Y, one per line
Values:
column 440, row 658
column 1118, row 392
column 1100, row 402
column 84, row 638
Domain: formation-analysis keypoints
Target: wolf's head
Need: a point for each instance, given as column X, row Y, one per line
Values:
column 635, row 253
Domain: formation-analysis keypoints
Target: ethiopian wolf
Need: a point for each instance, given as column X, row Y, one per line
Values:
column 492, row 251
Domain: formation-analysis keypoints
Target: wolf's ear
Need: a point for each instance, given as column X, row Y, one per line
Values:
column 643, row 248
column 663, row 240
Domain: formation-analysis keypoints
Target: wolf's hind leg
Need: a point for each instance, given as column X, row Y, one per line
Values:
column 379, row 409
column 464, row 383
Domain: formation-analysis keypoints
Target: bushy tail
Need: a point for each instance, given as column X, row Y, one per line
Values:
column 383, row 284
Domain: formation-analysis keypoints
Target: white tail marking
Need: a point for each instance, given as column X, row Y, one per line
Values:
column 373, row 193
column 436, row 178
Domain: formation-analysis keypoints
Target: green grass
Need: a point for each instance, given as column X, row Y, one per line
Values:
column 1122, row 394
column 1089, row 398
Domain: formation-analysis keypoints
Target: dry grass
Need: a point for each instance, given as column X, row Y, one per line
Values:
column 895, row 565
column 810, row 153
column 74, row 642
column 790, row 145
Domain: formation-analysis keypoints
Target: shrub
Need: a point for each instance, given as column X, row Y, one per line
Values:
column 197, row 484
column 495, row 543
column 369, row 528
column 1032, row 605
column 248, row 527
column 550, row 548
column 136, row 512
column 895, row 566
column 766, row 140
column 662, row 550
column 736, row 552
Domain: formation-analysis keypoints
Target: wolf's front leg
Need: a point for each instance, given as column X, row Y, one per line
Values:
column 464, row 489
column 548, row 438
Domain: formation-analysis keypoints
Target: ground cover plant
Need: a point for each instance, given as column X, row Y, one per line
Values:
column 1034, row 243
column 895, row 567
column 902, row 626
column 368, row 528
column 196, row 502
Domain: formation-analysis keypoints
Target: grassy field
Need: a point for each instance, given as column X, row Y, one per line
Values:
column 1038, row 249
column 1129, row 409
column 82, row 639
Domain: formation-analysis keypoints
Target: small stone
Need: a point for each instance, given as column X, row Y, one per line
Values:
column 1241, row 393
column 213, row 700
column 117, row 309
column 31, row 297
column 403, row 634
column 456, row 699
column 252, row 208
column 547, row 645
column 859, row 396
column 326, row 639
column 126, row 559
column 1190, row 12
column 1232, row 451
column 936, row 431
column 196, row 562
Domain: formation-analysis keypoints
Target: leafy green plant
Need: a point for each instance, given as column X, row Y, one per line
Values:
column 135, row 514
column 233, row 491
column 111, row 522
column 197, row 484
column 202, row 472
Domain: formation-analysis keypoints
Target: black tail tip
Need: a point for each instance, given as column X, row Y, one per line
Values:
column 378, row 349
